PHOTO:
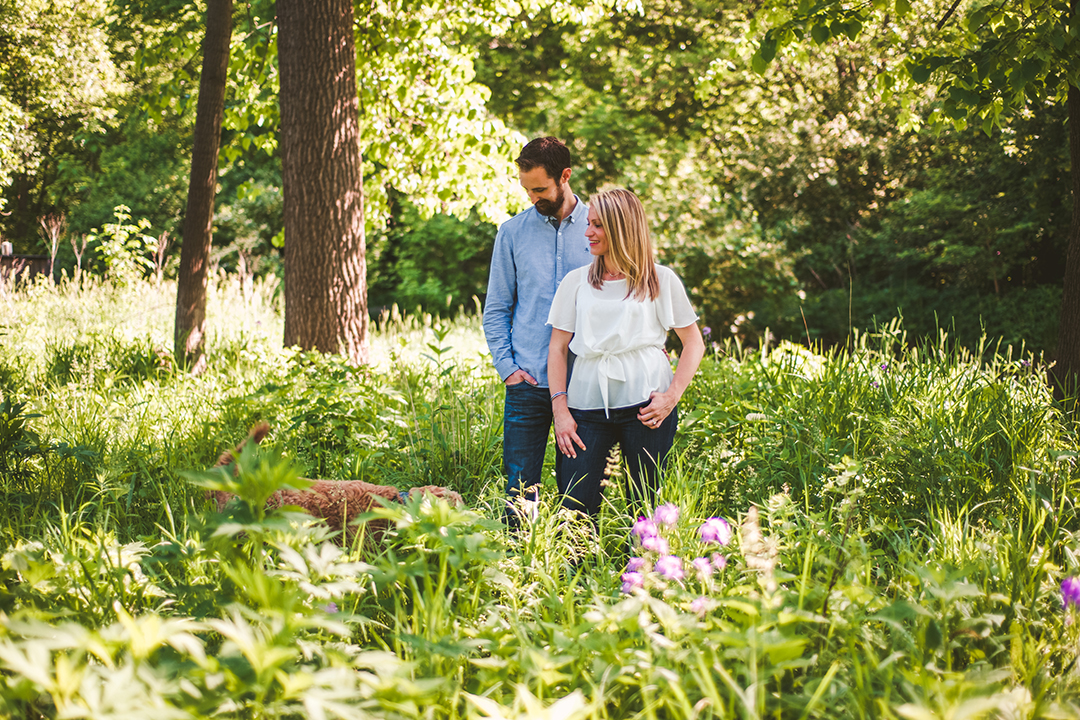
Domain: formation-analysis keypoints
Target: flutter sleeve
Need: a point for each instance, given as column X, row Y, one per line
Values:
column 673, row 308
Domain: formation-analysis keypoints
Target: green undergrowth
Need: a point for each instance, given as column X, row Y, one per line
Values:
column 902, row 516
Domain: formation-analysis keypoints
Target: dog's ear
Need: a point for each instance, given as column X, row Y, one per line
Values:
column 256, row 435
column 259, row 432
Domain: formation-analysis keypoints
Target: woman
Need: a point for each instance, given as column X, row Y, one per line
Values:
column 615, row 315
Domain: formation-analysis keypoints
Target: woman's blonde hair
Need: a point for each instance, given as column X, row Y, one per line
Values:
column 629, row 245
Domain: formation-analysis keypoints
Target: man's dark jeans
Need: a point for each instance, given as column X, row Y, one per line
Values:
column 644, row 452
column 526, row 424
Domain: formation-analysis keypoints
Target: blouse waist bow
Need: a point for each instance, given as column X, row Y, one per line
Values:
column 609, row 367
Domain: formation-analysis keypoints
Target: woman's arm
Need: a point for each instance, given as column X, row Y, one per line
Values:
column 661, row 403
column 565, row 426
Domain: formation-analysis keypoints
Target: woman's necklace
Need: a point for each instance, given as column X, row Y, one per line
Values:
column 613, row 275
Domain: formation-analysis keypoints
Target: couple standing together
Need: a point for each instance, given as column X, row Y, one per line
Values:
column 578, row 286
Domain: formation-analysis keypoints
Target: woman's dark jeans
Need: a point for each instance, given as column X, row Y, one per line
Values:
column 644, row 451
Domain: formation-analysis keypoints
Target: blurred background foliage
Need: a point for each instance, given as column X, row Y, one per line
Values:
column 806, row 201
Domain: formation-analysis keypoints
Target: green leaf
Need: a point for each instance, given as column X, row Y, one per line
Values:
column 976, row 19
column 919, row 73
column 954, row 111
column 820, row 33
column 768, row 48
column 759, row 64
column 903, row 7
column 964, row 96
column 785, row 650
column 1030, row 69
column 932, row 637
column 852, row 28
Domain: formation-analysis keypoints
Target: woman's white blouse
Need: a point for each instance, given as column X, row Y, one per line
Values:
column 618, row 341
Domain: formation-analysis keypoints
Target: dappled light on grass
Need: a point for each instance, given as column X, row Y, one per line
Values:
column 882, row 531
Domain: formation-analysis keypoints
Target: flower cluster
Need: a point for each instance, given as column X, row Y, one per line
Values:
column 657, row 561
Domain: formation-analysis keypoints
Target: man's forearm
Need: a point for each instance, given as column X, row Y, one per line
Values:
column 497, row 333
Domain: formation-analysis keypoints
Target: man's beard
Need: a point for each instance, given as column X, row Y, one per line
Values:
column 551, row 208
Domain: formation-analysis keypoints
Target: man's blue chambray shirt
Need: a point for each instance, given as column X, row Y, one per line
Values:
column 532, row 255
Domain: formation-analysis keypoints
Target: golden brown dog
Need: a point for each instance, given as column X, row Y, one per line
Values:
column 337, row 502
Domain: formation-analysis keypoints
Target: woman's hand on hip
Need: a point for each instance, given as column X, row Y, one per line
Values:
column 660, row 406
column 566, row 434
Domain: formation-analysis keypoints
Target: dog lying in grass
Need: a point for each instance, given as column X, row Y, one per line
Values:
column 337, row 502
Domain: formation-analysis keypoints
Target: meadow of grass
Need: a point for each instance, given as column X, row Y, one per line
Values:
column 901, row 518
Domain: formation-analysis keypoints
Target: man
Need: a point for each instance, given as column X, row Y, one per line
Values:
column 533, row 252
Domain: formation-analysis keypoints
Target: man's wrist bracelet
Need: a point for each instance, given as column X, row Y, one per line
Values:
column 563, row 392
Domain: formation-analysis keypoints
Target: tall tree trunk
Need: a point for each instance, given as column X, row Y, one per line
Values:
column 325, row 272
column 190, row 330
column 1066, row 371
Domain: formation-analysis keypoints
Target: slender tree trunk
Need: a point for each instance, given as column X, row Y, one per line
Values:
column 190, row 331
column 1066, row 371
column 325, row 272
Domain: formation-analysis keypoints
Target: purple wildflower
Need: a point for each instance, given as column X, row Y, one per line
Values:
column 874, row 383
column 670, row 566
column 1070, row 592
column 706, row 330
column 715, row 530
column 330, row 607
column 644, row 528
column 719, row 561
column 700, row 606
column 635, row 564
column 885, row 366
column 657, row 544
column 703, row 568
column 667, row 514
column 632, row 580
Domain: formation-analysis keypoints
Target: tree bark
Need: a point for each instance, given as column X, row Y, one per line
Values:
column 190, row 329
column 1065, row 375
column 325, row 271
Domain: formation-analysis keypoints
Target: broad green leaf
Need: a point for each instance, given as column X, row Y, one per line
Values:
column 903, row 7
column 759, row 64
column 820, row 33
column 976, row 19
column 785, row 650
column 919, row 73
column 1030, row 68
column 768, row 48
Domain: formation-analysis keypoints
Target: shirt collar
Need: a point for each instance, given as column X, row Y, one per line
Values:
column 580, row 210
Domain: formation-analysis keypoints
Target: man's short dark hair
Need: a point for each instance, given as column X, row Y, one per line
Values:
column 546, row 152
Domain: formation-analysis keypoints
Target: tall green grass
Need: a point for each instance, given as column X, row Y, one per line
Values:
column 903, row 514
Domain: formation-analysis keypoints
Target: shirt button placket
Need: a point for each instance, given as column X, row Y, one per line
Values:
column 558, row 256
